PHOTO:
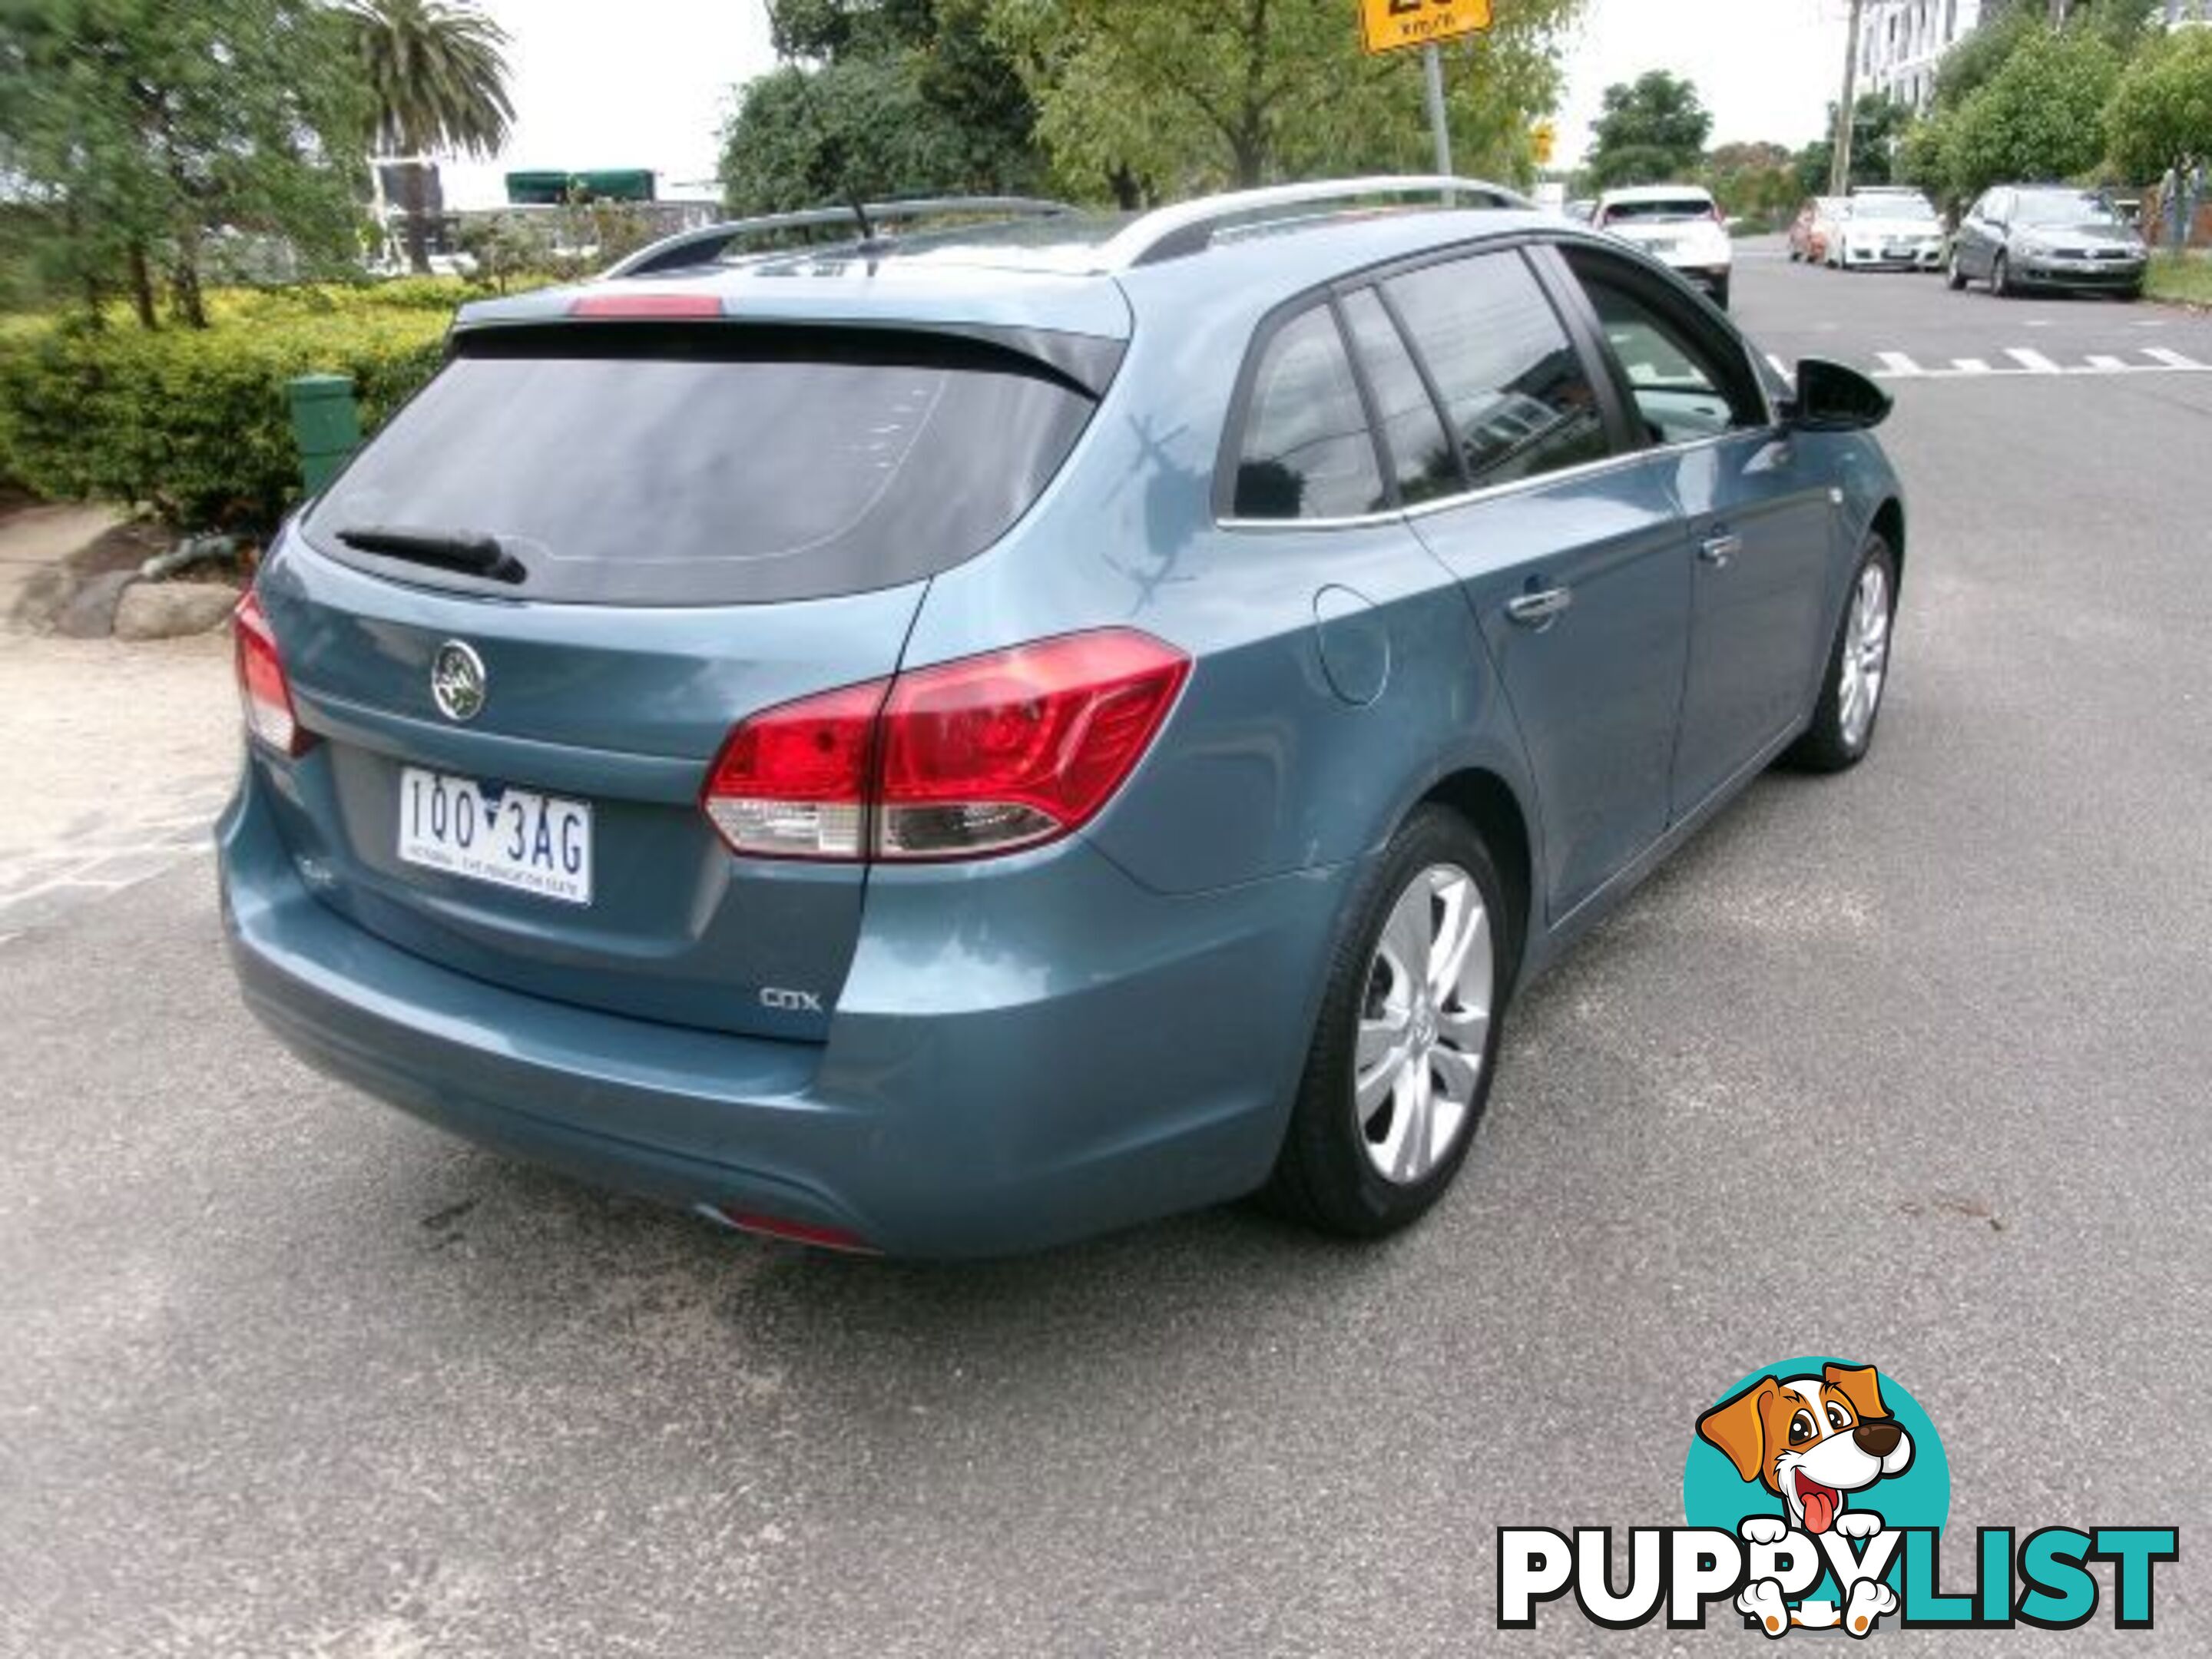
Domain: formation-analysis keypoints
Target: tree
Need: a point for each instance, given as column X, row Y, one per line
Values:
column 2040, row 117
column 1143, row 98
column 1753, row 181
column 1878, row 126
column 436, row 76
column 881, row 99
column 136, row 129
column 1926, row 156
column 1648, row 132
column 2161, row 114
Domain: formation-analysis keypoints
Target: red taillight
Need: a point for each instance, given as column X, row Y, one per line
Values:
column 1000, row 751
column 262, row 687
column 964, row 760
column 646, row 306
column 791, row 783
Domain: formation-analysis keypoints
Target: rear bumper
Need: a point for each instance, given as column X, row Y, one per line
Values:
column 1707, row 276
column 1024, row 1053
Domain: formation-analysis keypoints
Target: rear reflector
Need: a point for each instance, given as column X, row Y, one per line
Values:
column 648, row 306
column 964, row 760
column 799, row 1232
column 262, row 689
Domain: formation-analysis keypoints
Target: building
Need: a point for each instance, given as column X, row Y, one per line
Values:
column 1902, row 41
column 2179, row 12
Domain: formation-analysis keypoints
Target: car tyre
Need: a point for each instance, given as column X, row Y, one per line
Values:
column 2001, row 278
column 1721, row 293
column 2132, row 294
column 1953, row 277
column 1856, row 672
column 1366, row 1172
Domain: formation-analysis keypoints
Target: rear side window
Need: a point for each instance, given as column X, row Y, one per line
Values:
column 1520, row 399
column 626, row 464
column 1307, row 452
column 1421, row 451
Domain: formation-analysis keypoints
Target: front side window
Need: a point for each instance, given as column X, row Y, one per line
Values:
column 1685, row 385
column 1519, row 399
column 1307, row 452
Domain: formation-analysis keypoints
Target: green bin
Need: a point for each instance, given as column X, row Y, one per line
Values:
column 326, row 425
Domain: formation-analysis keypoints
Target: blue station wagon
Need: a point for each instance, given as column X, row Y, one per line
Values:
column 942, row 741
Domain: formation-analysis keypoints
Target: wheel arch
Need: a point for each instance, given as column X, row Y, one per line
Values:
column 1888, row 523
column 1488, row 803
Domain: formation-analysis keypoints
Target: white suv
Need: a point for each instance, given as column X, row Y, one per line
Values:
column 1679, row 225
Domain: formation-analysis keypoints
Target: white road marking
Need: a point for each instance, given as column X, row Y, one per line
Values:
column 2155, row 360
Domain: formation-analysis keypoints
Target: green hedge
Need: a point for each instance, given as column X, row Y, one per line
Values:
column 194, row 422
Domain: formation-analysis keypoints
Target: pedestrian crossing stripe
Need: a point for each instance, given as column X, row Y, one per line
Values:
column 2146, row 359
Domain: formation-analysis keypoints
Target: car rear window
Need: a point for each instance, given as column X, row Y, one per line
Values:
column 1678, row 207
column 642, row 465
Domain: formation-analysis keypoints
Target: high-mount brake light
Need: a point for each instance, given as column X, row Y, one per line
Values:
column 967, row 759
column 646, row 306
column 262, row 688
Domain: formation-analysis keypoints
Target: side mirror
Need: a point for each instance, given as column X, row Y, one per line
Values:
column 1832, row 398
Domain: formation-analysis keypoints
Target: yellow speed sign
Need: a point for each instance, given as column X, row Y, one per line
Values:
column 1393, row 25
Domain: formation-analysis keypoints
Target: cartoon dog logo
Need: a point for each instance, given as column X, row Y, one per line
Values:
column 1811, row 1442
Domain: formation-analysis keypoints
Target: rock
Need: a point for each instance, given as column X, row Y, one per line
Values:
column 86, row 611
column 162, row 610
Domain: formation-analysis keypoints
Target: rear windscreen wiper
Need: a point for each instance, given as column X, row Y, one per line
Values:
column 476, row 556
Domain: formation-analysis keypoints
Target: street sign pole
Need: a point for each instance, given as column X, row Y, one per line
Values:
column 1432, row 61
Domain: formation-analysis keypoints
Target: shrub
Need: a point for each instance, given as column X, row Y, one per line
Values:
column 194, row 422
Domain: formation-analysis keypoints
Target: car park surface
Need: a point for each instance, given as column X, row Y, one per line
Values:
column 1917, row 1066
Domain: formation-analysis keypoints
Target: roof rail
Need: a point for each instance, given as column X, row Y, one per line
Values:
column 1188, row 227
column 710, row 242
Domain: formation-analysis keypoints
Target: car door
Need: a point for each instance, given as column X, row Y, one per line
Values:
column 1570, row 551
column 1759, row 514
column 1978, row 235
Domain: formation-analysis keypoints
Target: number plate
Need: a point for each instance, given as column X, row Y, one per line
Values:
column 514, row 838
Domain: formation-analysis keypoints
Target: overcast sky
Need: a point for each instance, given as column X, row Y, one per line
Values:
column 647, row 82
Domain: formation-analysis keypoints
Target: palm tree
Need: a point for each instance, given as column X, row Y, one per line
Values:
column 437, row 80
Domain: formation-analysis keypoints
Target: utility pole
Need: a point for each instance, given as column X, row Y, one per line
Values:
column 1839, row 173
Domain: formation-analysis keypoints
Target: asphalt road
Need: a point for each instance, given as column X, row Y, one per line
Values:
column 1909, row 1066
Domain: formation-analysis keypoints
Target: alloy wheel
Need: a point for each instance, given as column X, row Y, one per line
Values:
column 1865, row 656
column 1424, row 1024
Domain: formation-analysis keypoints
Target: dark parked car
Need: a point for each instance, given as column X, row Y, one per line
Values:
column 941, row 743
column 2019, row 237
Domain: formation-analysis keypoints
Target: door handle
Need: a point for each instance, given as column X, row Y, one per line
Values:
column 1717, row 549
column 1535, row 610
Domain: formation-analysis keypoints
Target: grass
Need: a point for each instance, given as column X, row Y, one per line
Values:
column 2186, row 277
